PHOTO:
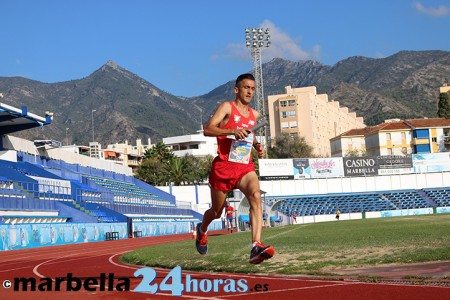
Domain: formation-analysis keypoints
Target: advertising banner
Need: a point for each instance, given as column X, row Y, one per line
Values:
column 36, row 235
column 305, row 168
column 326, row 167
column 276, row 169
column 360, row 166
column 395, row 164
column 301, row 168
column 431, row 162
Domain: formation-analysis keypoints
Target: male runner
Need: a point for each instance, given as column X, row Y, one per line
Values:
column 233, row 167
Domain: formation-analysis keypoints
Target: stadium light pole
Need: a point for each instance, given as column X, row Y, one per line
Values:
column 93, row 136
column 257, row 39
column 67, row 139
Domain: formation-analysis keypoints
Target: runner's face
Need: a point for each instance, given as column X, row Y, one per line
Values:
column 245, row 90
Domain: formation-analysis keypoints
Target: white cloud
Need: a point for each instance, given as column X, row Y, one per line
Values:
column 439, row 11
column 282, row 46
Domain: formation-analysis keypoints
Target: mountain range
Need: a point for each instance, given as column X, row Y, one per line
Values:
column 121, row 106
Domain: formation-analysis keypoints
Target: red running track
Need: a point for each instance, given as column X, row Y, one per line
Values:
column 86, row 262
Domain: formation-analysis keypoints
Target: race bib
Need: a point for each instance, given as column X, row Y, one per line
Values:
column 241, row 150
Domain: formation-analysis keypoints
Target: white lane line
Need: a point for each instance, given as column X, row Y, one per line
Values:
column 127, row 266
column 76, row 253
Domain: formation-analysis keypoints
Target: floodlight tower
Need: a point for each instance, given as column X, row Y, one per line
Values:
column 257, row 39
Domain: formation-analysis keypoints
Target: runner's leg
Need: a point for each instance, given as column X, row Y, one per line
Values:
column 215, row 211
column 249, row 185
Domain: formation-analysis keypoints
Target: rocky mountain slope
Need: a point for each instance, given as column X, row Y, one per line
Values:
column 127, row 107
column 404, row 85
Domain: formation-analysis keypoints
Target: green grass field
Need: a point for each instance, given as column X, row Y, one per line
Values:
column 313, row 248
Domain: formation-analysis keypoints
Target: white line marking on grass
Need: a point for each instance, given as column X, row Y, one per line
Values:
column 281, row 233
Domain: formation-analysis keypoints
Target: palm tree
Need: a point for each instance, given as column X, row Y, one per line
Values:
column 160, row 151
column 152, row 172
column 176, row 171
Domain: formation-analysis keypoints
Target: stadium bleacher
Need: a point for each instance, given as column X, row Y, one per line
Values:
column 49, row 201
column 29, row 186
column 441, row 196
column 128, row 192
column 407, row 199
column 310, row 205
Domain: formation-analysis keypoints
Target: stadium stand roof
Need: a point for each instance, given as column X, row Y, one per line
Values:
column 14, row 119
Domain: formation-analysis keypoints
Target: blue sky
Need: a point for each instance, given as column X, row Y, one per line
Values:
column 189, row 47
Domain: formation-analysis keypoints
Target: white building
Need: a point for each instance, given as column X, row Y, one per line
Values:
column 197, row 145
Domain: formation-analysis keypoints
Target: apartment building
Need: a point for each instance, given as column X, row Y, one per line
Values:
column 197, row 145
column 123, row 154
column 126, row 153
column 303, row 112
column 395, row 137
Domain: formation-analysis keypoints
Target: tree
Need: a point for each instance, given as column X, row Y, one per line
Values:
column 176, row 170
column 153, row 169
column 152, row 172
column 188, row 169
column 197, row 169
column 159, row 151
column 356, row 153
column 255, row 160
column 290, row 146
column 443, row 106
column 161, row 167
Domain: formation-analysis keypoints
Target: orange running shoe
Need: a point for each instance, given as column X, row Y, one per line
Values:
column 201, row 242
column 261, row 252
